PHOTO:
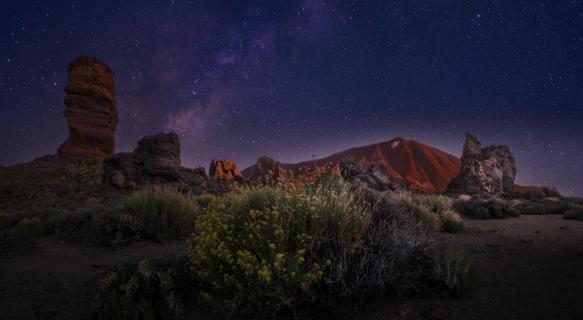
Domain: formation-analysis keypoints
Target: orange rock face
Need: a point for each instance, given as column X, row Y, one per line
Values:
column 90, row 109
column 225, row 170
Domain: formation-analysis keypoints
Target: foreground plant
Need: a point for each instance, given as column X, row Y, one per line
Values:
column 454, row 269
column 264, row 250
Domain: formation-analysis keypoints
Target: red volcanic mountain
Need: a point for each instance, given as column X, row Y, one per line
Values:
column 407, row 162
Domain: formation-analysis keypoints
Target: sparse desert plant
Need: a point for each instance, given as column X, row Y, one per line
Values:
column 139, row 290
column 454, row 269
column 574, row 214
column 162, row 212
column 30, row 228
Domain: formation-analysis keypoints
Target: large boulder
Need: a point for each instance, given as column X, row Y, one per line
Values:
column 485, row 171
column 156, row 158
column 370, row 174
column 90, row 109
column 225, row 170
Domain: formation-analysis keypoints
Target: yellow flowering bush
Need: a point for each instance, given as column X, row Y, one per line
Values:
column 262, row 250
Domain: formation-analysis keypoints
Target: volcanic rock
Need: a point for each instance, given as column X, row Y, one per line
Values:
column 225, row 170
column 90, row 109
column 370, row 174
column 156, row 158
column 267, row 168
column 489, row 170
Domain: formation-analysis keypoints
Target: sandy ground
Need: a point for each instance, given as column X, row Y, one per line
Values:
column 528, row 268
column 54, row 280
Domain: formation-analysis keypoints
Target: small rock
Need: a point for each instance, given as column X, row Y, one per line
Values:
column 563, row 227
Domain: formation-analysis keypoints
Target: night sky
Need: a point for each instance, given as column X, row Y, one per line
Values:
column 290, row 79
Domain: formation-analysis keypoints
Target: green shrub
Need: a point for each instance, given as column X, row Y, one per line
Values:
column 161, row 212
column 257, row 248
column 265, row 250
column 142, row 290
column 574, row 214
column 454, row 269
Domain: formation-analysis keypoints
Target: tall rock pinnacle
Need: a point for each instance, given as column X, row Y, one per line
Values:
column 90, row 109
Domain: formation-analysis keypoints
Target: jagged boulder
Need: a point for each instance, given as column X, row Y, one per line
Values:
column 269, row 169
column 486, row 171
column 370, row 174
column 156, row 158
column 90, row 109
column 225, row 170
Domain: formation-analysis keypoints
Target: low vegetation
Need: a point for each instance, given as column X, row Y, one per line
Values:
column 485, row 208
column 148, row 289
column 154, row 213
column 574, row 214
column 454, row 269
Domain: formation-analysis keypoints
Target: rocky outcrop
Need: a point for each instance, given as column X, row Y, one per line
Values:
column 269, row 169
column 485, row 171
column 156, row 158
column 90, row 109
column 370, row 174
column 225, row 170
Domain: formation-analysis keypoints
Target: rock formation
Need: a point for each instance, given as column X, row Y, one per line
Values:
column 370, row 174
column 267, row 168
column 155, row 158
column 225, row 170
column 489, row 170
column 90, row 109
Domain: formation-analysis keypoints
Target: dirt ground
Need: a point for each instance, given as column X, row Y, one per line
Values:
column 528, row 268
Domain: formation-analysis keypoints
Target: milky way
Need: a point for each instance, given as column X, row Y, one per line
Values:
column 292, row 79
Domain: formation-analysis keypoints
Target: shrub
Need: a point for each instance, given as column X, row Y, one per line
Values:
column 257, row 248
column 433, row 211
column 161, row 212
column 451, row 222
column 264, row 250
column 101, row 227
column 391, row 257
column 30, row 228
column 140, row 290
column 574, row 214
column 454, row 269
column 531, row 208
column 486, row 208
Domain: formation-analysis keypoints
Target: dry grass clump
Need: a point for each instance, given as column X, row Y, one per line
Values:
column 454, row 269
column 434, row 211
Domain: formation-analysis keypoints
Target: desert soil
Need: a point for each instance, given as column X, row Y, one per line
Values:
column 527, row 268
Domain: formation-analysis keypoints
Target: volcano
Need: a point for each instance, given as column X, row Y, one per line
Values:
column 408, row 162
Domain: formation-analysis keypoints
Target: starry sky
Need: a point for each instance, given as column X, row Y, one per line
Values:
column 291, row 79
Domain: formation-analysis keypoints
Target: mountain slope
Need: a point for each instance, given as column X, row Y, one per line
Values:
column 408, row 162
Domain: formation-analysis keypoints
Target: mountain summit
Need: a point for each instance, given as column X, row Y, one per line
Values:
column 407, row 162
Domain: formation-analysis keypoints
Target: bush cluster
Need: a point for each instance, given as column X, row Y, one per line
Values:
column 485, row 208
column 265, row 250
column 154, row 213
column 574, row 214
column 148, row 289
